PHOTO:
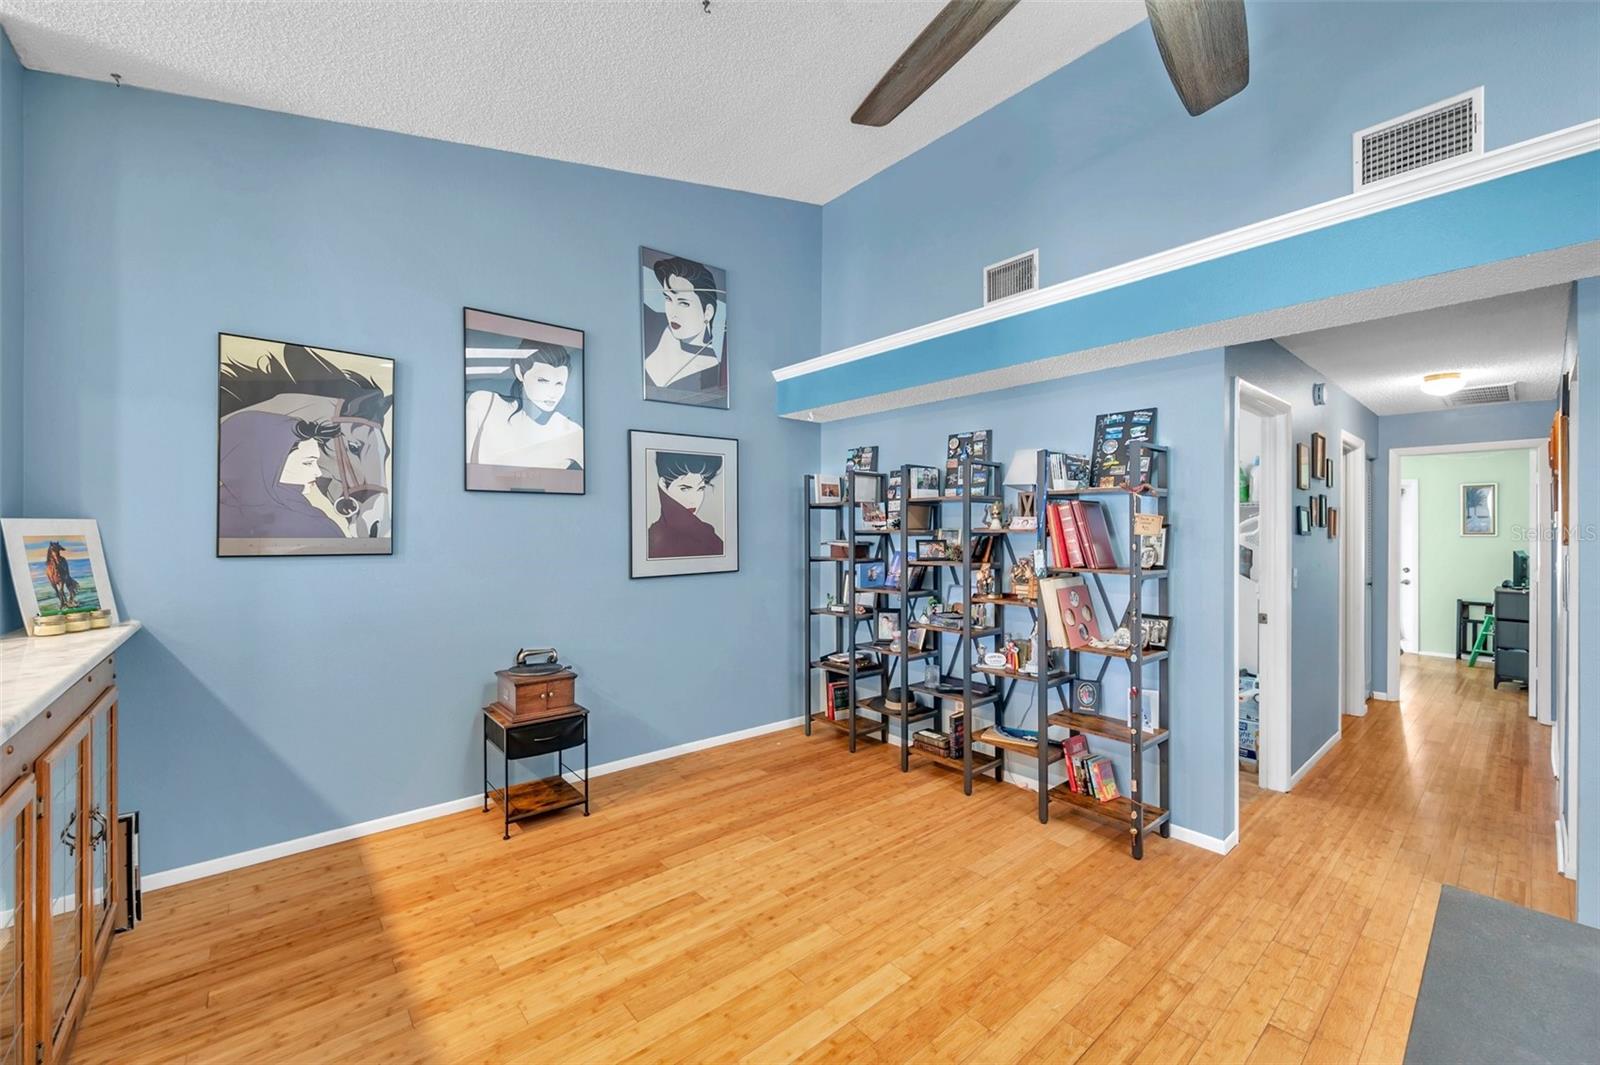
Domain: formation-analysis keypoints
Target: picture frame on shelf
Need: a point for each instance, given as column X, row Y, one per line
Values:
column 1114, row 436
column 925, row 483
column 827, row 491
column 931, row 550
column 872, row 575
column 862, row 459
column 1153, row 550
column 58, row 567
column 683, row 504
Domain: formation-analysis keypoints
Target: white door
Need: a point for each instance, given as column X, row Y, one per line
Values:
column 1410, row 578
column 1353, row 578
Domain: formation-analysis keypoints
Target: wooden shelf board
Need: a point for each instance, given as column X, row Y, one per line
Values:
column 935, row 562
column 996, row 738
column 981, row 763
column 1118, row 810
column 876, row 705
column 861, row 671
column 954, row 697
column 865, row 729
column 1100, row 725
column 823, row 611
column 1119, row 490
column 926, row 652
column 1156, row 574
column 534, row 797
column 955, row 630
column 1107, row 652
column 1007, row 600
column 1055, row 679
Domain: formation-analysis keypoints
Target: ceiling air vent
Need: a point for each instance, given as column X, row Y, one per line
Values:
column 1011, row 278
column 1440, row 133
column 1476, row 394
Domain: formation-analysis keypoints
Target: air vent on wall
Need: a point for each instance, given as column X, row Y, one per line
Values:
column 1440, row 133
column 1011, row 278
column 1476, row 394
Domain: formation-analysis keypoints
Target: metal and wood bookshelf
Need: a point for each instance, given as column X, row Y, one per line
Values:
column 1147, row 492
column 847, row 620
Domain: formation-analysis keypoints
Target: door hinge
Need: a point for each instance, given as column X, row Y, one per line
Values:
column 1261, row 619
column 38, row 808
column 38, row 1053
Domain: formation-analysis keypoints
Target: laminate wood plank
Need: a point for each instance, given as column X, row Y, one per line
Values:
column 781, row 899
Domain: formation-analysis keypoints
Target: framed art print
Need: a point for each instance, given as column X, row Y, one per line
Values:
column 305, row 450
column 1302, row 520
column 1319, row 454
column 58, row 567
column 1302, row 467
column 1479, row 513
column 683, row 504
column 683, row 323
column 524, row 405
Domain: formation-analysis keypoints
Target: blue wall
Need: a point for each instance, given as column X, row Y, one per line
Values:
column 1098, row 163
column 10, row 311
column 1586, row 472
column 273, row 698
column 1314, row 706
column 1189, row 394
column 1466, row 425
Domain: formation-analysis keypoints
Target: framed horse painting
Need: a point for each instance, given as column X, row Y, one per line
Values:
column 58, row 567
column 305, row 450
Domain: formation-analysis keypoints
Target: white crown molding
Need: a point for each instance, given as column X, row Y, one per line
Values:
column 1512, row 159
column 229, row 862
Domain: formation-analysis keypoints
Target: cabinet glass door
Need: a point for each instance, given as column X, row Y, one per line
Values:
column 100, row 819
column 66, row 907
column 14, row 896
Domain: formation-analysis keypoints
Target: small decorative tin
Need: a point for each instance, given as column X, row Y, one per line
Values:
column 79, row 622
column 100, row 619
column 54, row 625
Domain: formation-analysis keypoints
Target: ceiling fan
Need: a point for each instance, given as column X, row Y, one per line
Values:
column 1202, row 42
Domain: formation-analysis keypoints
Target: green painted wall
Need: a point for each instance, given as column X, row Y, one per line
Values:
column 1455, row 566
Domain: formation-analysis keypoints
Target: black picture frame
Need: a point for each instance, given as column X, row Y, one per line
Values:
column 633, row 500
column 393, row 436
column 583, row 407
column 1302, row 521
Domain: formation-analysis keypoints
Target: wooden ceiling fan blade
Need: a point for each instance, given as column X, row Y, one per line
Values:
column 958, row 26
column 1205, row 47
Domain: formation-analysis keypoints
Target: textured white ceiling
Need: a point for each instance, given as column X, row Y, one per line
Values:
column 754, row 95
column 1517, row 338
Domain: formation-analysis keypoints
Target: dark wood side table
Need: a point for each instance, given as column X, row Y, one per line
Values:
column 528, row 739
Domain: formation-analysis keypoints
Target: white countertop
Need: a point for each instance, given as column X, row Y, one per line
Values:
column 35, row 670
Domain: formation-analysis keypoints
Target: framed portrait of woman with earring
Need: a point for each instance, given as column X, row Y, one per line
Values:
column 683, row 324
column 684, row 504
column 524, row 405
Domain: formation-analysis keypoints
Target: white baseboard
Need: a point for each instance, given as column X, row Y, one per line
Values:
column 1200, row 839
column 1450, row 654
column 1561, row 851
column 1294, row 778
column 229, row 862
column 1385, row 697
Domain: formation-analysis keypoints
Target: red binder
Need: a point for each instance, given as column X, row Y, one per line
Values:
column 1096, row 534
column 1071, row 535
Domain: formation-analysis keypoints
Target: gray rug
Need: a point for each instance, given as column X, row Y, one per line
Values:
column 1505, row 984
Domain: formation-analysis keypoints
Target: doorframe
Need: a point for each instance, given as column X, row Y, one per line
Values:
column 1274, row 562
column 1392, row 592
column 1355, row 680
column 1416, row 576
column 1541, row 703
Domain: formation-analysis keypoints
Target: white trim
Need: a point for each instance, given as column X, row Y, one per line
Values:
column 1384, row 697
column 1410, row 188
column 1392, row 592
column 1561, row 853
column 1447, row 654
column 229, row 862
column 1541, row 519
column 1300, row 773
column 1475, row 95
column 983, row 295
column 1276, row 556
column 1205, row 842
column 1353, row 609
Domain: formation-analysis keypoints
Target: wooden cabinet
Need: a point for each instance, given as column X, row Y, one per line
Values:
column 60, row 881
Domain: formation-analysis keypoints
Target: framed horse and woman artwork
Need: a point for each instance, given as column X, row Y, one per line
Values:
column 305, row 454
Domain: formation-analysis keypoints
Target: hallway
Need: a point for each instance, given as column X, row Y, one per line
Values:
column 802, row 920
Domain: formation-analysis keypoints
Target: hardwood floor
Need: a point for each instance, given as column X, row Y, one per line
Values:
column 781, row 899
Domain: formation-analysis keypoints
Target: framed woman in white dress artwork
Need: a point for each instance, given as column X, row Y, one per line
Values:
column 524, row 405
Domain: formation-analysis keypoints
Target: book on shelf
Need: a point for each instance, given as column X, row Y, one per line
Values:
column 1103, row 778
column 838, row 698
column 1095, row 534
column 1076, row 748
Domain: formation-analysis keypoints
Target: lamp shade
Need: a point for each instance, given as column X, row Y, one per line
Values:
column 1023, row 469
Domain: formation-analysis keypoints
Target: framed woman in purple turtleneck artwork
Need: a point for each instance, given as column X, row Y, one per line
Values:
column 684, row 504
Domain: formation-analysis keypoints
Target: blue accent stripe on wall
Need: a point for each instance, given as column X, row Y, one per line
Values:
column 1540, row 209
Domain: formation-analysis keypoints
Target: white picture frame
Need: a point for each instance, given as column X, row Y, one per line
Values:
column 684, row 504
column 28, row 543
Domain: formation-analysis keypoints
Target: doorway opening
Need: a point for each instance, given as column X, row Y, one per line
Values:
column 1263, row 437
column 1354, row 682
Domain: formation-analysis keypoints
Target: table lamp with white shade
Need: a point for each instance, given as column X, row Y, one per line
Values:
column 1022, row 473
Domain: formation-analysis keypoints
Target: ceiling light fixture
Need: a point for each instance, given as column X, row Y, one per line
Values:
column 1442, row 384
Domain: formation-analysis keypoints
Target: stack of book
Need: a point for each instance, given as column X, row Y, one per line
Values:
column 1087, row 773
column 944, row 744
